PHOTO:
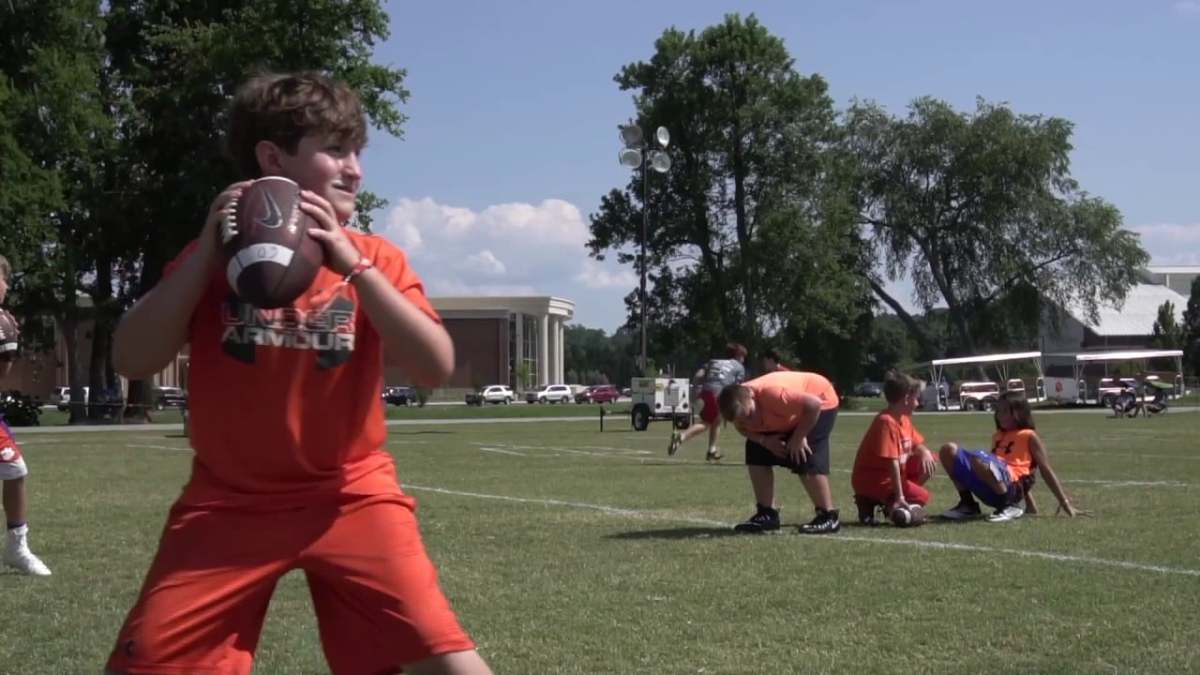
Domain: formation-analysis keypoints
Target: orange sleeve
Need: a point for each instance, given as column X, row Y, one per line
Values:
column 175, row 262
column 393, row 263
column 880, row 442
column 888, row 440
column 917, row 438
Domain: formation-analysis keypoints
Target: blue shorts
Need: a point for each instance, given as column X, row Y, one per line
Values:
column 963, row 475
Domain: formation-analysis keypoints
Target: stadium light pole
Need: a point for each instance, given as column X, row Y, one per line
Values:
column 639, row 153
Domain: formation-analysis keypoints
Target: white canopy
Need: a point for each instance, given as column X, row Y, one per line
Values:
column 985, row 358
column 1125, row 355
column 999, row 360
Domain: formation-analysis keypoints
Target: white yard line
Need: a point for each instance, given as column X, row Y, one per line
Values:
column 503, row 451
column 934, row 545
column 160, row 447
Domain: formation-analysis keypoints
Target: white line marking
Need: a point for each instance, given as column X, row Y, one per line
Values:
column 625, row 453
column 632, row 513
column 1124, row 455
column 503, row 451
column 160, row 447
column 1131, row 483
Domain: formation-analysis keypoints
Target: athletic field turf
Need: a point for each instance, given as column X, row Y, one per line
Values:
column 568, row 550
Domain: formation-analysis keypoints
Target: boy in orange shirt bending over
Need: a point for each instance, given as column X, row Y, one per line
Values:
column 892, row 464
column 787, row 418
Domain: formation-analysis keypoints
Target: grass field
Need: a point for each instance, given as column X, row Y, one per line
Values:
column 53, row 417
column 568, row 550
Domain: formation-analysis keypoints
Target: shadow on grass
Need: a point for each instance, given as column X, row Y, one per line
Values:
column 677, row 533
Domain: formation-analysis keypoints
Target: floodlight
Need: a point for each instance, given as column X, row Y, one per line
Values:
column 631, row 135
column 663, row 137
column 660, row 161
column 630, row 157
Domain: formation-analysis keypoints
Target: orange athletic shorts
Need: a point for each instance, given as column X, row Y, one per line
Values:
column 374, row 589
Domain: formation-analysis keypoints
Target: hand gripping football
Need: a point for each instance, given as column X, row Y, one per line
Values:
column 10, row 334
column 269, row 257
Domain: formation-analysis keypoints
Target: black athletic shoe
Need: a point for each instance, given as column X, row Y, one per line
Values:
column 765, row 520
column 826, row 522
column 866, row 510
column 966, row 509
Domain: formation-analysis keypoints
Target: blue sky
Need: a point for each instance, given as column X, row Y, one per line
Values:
column 512, row 136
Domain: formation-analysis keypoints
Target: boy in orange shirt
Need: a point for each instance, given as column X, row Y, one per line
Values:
column 287, row 426
column 892, row 464
column 787, row 418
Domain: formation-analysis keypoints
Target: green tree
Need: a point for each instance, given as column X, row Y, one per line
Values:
column 170, row 69
column 977, row 207
column 1167, row 332
column 747, row 238
column 1191, row 328
column 50, row 58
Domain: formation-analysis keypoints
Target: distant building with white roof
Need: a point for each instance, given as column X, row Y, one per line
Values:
column 1178, row 278
column 1069, row 329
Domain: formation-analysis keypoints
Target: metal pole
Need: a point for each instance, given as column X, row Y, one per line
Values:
column 645, row 219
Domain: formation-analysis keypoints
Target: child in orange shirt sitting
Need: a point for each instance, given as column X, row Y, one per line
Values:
column 1003, row 477
column 892, row 463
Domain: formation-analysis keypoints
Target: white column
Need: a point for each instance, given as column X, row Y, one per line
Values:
column 519, row 336
column 544, row 350
column 562, row 350
column 552, row 352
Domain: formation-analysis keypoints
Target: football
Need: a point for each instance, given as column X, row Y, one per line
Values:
column 912, row 516
column 269, row 257
column 10, row 334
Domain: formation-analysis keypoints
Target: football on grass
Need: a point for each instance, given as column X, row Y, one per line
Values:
column 269, row 257
column 912, row 516
column 9, row 336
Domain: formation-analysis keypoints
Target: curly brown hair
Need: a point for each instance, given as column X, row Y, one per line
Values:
column 284, row 108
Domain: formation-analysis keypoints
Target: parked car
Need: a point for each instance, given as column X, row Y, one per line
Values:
column 62, row 397
column 552, row 393
column 399, row 395
column 598, row 393
column 493, row 393
column 872, row 389
column 169, row 397
column 626, row 392
column 978, row 395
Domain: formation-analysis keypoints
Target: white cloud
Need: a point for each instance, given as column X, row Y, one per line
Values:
column 1171, row 243
column 595, row 275
column 484, row 262
column 1187, row 7
column 509, row 249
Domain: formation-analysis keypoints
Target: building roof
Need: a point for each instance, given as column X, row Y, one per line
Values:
column 1173, row 269
column 1136, row 316
column 537, row 305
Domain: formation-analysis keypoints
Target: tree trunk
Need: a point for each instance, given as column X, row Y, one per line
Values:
column 954, row 307
column 914, row 328
column 70, row 330
column 745, row 246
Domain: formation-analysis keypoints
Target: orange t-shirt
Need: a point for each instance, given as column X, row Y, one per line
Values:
column 778, row 402
column 889, row 438
column 284, row 403
column 1013, row 448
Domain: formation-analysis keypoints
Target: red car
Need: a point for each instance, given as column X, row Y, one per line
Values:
column 598, row 393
